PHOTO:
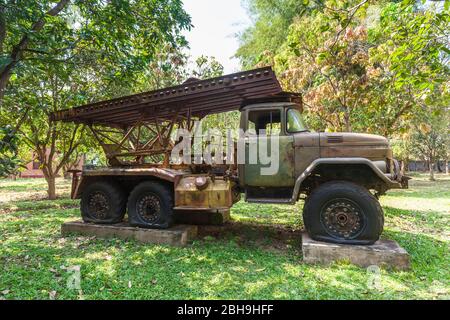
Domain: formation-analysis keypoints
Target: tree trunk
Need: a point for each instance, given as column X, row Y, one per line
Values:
column 402, row 167
column 439, row 166
column 348, row 127
column 431, row 166
column 446, row 166
column 51, row 187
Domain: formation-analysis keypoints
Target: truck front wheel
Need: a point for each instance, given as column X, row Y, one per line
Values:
column 343, row 212
column 103, row 202
column 150, row 205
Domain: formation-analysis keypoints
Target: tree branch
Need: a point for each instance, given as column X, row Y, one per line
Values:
column 350, row 14
column 18, row 49
column 72, row 147
column 2, row 27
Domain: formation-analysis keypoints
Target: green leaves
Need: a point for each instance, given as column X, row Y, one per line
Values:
column 207, row 67
column 417, row 50
column 8, row 151
column 322, row 56
column 4, row 60
column 325, row 27
column 260, row 42
column 360, row 76
column 121, row 35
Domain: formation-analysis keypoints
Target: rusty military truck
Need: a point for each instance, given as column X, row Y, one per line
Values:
column 340, row 176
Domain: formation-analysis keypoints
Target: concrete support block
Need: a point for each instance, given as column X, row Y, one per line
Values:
column 382, row 253
column 178, row 235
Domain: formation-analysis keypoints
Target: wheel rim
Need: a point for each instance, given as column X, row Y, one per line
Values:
column 342, row 219
column 149, row 207
column 98, row 205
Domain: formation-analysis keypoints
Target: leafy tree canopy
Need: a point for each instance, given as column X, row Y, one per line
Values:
column 367, row 66
column 8, row 151
column 120, row 34
column 361, row 65
column 271, row 21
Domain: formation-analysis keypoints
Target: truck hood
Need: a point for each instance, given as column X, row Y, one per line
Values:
column 351, row 139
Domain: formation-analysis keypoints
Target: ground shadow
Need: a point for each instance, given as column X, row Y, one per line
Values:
column 272, row 237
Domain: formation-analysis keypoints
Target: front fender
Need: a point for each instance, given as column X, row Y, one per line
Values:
column 384, row 177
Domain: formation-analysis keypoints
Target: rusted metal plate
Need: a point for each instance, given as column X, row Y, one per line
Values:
column 210, row 194
column 198, row 97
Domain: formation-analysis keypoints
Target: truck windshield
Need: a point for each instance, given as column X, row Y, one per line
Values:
column 295, row 121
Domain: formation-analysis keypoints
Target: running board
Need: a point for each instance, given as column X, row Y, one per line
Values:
column 265, row 200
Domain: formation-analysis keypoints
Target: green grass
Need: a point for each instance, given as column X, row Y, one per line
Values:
column 257, row 256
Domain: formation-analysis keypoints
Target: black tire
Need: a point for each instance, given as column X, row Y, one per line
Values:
column 103, row 202
column 150, row 205
column 343, row 212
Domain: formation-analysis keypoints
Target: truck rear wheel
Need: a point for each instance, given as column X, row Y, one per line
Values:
column 343, row 212
column 103, row 202
column 150, row 205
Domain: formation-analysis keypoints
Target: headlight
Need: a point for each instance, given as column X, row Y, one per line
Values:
column 201, row 183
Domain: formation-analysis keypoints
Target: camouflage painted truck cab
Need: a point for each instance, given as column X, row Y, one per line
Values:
column 338, row 175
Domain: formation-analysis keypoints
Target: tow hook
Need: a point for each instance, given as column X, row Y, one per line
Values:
column 404, row 181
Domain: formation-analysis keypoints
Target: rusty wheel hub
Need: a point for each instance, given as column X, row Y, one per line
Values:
column 342, row 218
column 98, row 205
column 149, row 207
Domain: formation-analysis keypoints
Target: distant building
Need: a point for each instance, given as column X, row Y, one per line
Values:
column 33, row 167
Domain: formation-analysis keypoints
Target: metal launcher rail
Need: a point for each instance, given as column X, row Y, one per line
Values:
column 135, row 130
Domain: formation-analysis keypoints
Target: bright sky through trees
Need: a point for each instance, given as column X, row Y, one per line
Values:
column 215, row 24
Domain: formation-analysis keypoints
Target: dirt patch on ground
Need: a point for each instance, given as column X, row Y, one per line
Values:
column 12, row 196
column 12, row 209
column 269, row 237
column 30, row 190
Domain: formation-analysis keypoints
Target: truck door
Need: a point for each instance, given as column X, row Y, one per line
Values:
column 264, row 127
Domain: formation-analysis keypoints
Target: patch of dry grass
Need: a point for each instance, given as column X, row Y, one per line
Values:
column 30, row 189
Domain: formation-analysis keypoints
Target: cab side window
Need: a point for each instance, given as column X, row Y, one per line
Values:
column 268, row 121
